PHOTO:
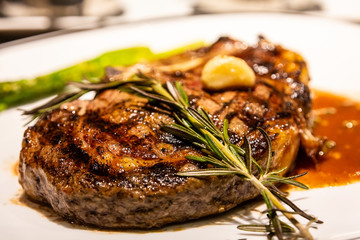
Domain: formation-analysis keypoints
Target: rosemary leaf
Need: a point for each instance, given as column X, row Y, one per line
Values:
column 277, row 172
column 257, row 165
column 155, row 97
column 96, row 86
column 183, row 132
column 208, row 172
column 209, row 159
column 236, row 154
column 297, row 176
column 53, row 102
column 274, row 178
column 226, row 131
column 269, row 149
column 239, row 150
column 182, row 93
column 262, row 228
column 173, row 92
column 248, row 154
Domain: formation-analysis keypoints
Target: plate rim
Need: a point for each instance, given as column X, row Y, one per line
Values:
column 137, row 23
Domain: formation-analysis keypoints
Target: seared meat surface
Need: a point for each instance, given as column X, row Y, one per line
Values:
column 107, row 162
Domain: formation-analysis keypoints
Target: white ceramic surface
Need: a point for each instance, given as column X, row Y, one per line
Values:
column 331, row 48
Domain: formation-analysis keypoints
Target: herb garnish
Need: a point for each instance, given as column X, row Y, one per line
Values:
column 196, row 126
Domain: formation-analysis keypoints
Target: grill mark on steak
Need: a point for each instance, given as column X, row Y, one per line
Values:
column 108, row 163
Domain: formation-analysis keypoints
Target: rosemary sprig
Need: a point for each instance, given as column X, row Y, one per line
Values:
column 197, row 127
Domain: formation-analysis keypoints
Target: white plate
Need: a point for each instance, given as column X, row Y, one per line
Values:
column 331, row 48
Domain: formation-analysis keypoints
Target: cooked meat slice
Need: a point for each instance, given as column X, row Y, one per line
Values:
column 107, row 162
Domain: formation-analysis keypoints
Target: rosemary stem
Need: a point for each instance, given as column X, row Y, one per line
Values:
column 225, row 149
column 303, row 230
column 259, row 185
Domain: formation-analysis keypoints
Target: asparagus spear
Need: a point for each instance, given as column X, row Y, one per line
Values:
column 25, row 90
column 14, row 93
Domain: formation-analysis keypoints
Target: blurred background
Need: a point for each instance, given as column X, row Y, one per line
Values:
column 24, row 18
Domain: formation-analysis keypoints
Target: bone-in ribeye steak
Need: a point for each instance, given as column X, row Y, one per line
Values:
column 106, row 162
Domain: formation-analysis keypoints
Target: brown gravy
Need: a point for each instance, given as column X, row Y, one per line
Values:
column 339, row 122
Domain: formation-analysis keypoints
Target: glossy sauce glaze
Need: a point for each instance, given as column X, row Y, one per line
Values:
column 338, row 119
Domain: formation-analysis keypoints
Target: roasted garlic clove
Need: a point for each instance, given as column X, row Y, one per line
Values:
column 222, row 72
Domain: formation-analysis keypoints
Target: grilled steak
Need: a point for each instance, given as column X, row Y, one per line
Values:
column 107, row 162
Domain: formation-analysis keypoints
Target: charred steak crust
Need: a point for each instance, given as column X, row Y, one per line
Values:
column 107, row 162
